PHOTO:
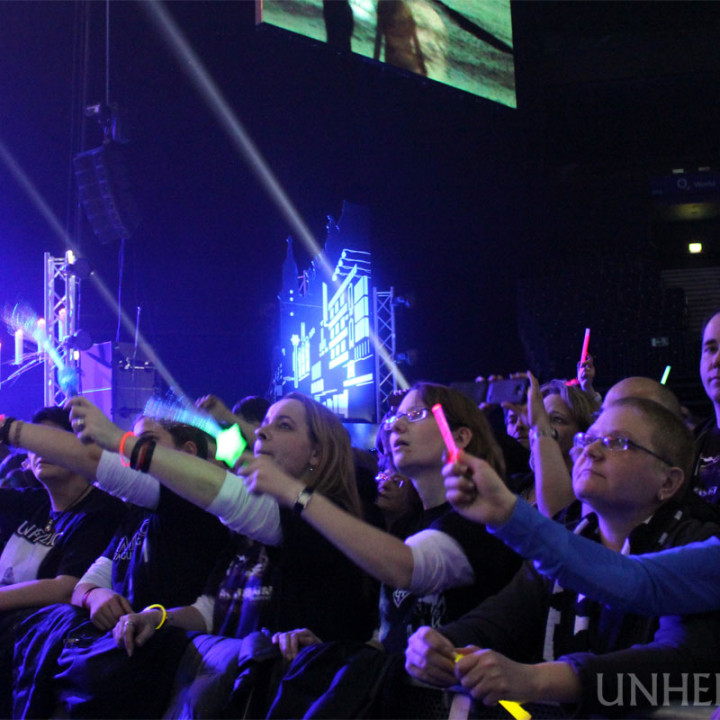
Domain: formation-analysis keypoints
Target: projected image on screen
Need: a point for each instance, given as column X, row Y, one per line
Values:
column 325, row 327
column 464, row 43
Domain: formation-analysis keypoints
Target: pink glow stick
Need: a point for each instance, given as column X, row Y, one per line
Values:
column 445, row 431
column 586, row 343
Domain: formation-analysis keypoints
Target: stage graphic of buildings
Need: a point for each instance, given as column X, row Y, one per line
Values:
column 325, row 327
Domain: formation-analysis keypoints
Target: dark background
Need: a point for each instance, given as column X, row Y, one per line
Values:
column 513, row 229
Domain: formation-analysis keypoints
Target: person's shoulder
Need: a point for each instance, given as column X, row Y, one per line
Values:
column 100, row 501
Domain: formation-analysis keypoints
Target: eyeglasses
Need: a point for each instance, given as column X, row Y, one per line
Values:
column 614, row 443
column 389, row 479
column 412, row 416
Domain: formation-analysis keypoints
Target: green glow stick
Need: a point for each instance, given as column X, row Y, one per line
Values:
column 666, row 375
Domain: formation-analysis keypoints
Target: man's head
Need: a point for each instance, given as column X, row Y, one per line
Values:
column 516, row 425
column 710, row 358
column 175, row 435
column 44, row 471
column 636, row 457
column 643, row 387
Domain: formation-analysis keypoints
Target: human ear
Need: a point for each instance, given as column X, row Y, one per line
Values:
column 462, row 436
column 674, row 480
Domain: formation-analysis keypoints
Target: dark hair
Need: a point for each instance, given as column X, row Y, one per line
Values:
column 670, row 437
column 182, row 433
column 55, row 415
column 461, row 411
column 253, row 408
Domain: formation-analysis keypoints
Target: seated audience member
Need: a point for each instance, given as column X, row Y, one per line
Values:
column 553, row 484
column 48, row 536
column 556, row 412
column 434, row 566
column 395, row 494
column 542, row 642
column 148, row 561
column 586, row 378
column 283, row 574
column 706, row 473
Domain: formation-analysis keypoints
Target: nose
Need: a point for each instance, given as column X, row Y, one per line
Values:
column 594, row 449
column 261, row 432
column 396, row 427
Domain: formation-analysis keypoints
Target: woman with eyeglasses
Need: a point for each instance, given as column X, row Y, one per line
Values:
column 435, row 565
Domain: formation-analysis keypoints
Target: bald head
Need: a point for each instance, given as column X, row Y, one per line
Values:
column 646, row 388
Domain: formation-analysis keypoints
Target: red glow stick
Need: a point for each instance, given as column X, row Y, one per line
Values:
column 586, row 343
column 445, row 431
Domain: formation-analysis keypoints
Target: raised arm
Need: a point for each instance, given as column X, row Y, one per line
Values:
column 677, row 581
column 378, row 553
column 188, row 476
column 553, row 484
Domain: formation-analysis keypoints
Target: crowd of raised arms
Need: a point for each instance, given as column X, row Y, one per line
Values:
column 564, row 557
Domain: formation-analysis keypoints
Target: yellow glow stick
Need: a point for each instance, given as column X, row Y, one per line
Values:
column 514, row 708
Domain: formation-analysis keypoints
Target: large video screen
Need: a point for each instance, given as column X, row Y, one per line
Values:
column 466, row 44
column 325, row 324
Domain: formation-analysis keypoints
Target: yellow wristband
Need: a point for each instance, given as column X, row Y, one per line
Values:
column 159, row 607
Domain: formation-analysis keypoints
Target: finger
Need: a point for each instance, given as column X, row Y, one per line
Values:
column 128, row 635
column 143, row 634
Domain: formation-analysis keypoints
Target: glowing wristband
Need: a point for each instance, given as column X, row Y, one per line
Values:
column 159, row 607
column 121, row 449
column 446, row 432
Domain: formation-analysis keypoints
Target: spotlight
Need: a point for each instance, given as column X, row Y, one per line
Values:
column 695, row 248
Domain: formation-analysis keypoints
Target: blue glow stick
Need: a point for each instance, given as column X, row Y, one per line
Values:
column 23, row 318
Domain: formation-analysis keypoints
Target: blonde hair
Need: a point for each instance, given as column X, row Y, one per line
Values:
column 334, row 475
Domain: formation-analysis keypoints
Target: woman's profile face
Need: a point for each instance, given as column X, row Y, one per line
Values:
column 284, row 435
column 415, row 445
column 562, row 420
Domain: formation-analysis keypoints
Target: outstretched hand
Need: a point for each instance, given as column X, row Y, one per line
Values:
column 476, row 491
column 91, row 425
column 263, row 475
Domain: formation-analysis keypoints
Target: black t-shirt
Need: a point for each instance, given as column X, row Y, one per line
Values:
column 165, row 556
column 31, row 552
column 402, row 612
column 707, row 474
column 304, row 582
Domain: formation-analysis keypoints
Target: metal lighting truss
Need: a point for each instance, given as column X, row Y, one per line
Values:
column 384, row 317
column 61, row 291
